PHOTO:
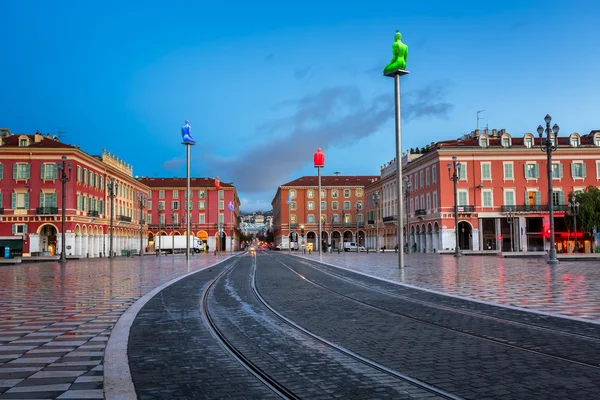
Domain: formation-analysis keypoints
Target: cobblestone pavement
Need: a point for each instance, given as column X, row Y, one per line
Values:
column 570, row 289
column 55, row 320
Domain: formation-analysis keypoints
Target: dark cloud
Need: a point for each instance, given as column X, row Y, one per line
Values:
column 301, row 73
column 338, row 116
column 174, row 164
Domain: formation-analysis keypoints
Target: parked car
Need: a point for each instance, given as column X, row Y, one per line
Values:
column 352, row 246
column 281, row 246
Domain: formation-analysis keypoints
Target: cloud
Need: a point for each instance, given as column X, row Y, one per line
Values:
column 270, row 57
column 174, row 164
column 337, row 116
column 301, row 73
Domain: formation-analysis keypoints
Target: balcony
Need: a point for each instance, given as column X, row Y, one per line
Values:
column 391, row 218
column 1, row 211
column 123, row 218
column 533, row 208
column 339, row 224
column 46, row 210
column 93, row 213
column 420, row 212
column 466, row 209
column 371, row 222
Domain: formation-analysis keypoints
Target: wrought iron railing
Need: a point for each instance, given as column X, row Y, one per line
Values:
column 46, row 210
column 465, row 209
column 93, row 213
column 420, row 212
column 534, row 208
column 123, row 218
column 391, row 218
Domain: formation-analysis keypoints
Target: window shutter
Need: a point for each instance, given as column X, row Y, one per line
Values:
column 572, row 170
column 13, row 204
column 583, row 170
column 525, row 170
column 54, row 201
column 27, row 170
column 14, row 171
column 560, row 170
column 25, row 228
column 14, row 229
column 43, row 171
column 41, row 199
column 538, row 198
column 561, row 198
column 1, row 171
column 27, row 201
column 537, row 171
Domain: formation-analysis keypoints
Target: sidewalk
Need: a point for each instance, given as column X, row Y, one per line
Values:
column 571, row 289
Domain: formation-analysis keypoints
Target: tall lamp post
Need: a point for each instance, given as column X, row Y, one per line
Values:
column 161, row 211
column 510, row 214
column 358, row 207
column 173, row 231
column 548, row 145
column 574, row 205
column 375, row 198
column 142, row 204
column 64, row 178
column 113, row 188
column 302, row 240
column 289, row 204
column 319, row 162
column 407, row 191
column 230, row 206
column 454, row 175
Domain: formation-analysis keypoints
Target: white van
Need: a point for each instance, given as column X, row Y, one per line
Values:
column 352, row 246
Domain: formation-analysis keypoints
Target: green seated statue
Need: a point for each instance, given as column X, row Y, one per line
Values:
column 400, row 54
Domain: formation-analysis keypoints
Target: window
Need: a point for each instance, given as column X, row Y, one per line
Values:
column 335, row 218
column 161, row 194
column 597, row 141
column 483, row 142
column 221, row 205
column 19, row 229
column 323, row 193
column 578, row 169
column 532, row 171
column 222, row 194
column 435, row 201
column 161, row 205
column 202, row 205
column 174, row 205
column 509, row 197
column 21, row 171
column 334, row 205
column 293, row 205
column 293, row 193
column 148, row 219
column 529, row 142
column 434, row 174
column 505, row 142
column 85, row 176
column 161, row 219
column 202, row 219
column 487, row 198
column 463, row 172
column 597, row 169
column 149, row 205
column 416, row 182
column 421, row 178
column 20, row 201
column 48, row 171
column 486, row 171
column 47, row 199
column 310, row 205
column 323, row 205
column 508, row 171
column 346, row 205
column 102, row 184
column 532, row 197
column 334, row 193
column 149, row 194
column 359, row 192
column 310, row 193
column 1, row 171
column 427, row 177
column 360, row 218
column 346, row 193
column 78, row 173
column 293, row 219
column 175, row 194
column 428, row 204
column 574, row 141
column 23, row 142
column 558, row 198
column 323, row 218
column 189, row 204
column 347, row 218
column 463, row 197
column 557, row 170
column 201, row 194
column 310, row 218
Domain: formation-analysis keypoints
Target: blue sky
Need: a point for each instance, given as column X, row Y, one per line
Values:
column 266, row 83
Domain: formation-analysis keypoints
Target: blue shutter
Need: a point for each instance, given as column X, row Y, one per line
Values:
column 14, row 229
column 25, row 228
column 561, row 198
column 27, row 201
column 560, row 170
column 14, row 201
column 42, row 199
column 54, row 201
column 27, row 169
column 572, row 170
column 537, row 171
column 42, row 172
column 1, row 171
column 583, row 172
column 538, row 199
column 14, row 171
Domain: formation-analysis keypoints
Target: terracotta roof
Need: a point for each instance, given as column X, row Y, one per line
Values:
column 496, row 141
column 46, row 142
column 181, row 182
column 333, row 180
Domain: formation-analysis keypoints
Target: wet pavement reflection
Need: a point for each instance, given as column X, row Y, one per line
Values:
column 569, row 289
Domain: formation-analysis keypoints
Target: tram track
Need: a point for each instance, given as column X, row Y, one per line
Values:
column 446, row 309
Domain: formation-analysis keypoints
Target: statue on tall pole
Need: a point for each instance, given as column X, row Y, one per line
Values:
column 186, row 133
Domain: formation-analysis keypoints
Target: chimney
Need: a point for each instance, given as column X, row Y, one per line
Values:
column 38, row 137
column 495, row 132
column 476, row 133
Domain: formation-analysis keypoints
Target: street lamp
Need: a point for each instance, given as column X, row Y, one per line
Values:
column 173, row 231
column 454, row 175
column 113, row 188
column 549, row 146
column 375, row 198
column 319, row 162
column 509, row 216
column 358, row 207
column 407, row 191
column 161, row 211
column 574, row 205
column 64, row 179
column 289, row 204
column 302, row 235
column 231, row 207
column 142, row 203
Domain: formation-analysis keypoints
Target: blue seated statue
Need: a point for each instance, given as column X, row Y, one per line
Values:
column 186, row 133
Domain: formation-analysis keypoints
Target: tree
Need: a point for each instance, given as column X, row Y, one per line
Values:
column 588, row 216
